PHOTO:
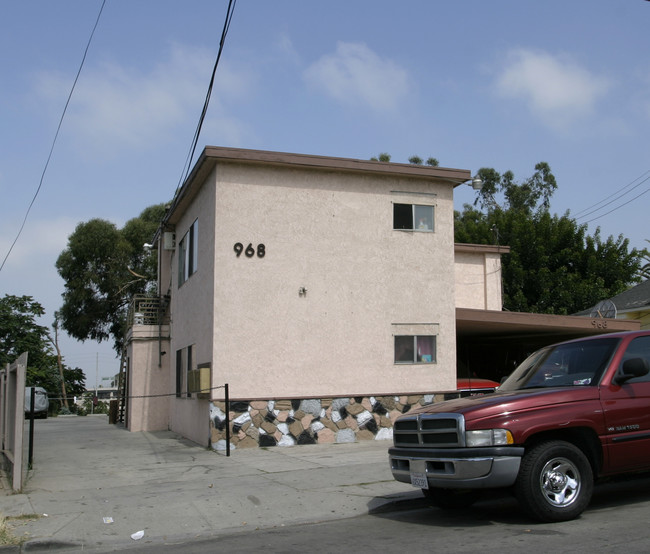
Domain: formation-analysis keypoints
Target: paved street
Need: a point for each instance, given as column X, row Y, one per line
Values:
column 616, row 521
column 94, row 485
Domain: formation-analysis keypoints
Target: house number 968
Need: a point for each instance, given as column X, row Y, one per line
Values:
column 249, row 251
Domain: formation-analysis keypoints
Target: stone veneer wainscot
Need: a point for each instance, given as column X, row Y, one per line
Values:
column 311, row 420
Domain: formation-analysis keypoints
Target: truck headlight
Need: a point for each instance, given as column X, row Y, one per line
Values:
column 488, row 437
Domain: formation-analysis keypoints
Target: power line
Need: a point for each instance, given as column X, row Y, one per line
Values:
column 49, row 157
column 195, row 140
column 618, row 207
column 597, row 206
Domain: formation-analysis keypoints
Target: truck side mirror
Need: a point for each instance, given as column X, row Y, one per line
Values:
column 634, row 367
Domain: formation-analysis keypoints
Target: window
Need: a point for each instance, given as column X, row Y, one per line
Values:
column 415, row 349
column 188, row 258
column 179, row 373
column 184, row 363
column 638, row 348
column 413, row 217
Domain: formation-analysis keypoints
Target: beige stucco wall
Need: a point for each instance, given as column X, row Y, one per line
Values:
column 478, row 279
column 148, row 379
column 331, row 233
column 192, row 315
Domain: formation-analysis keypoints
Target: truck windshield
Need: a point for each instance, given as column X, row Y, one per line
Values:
column 574, row 364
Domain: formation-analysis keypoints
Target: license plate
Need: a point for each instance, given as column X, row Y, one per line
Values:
column 419, row 480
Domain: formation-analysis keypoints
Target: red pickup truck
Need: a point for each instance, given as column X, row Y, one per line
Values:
column 570, row 413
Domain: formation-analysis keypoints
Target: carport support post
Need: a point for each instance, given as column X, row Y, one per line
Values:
column 32, row 401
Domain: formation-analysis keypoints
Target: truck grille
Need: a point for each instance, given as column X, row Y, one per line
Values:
column 430, row 430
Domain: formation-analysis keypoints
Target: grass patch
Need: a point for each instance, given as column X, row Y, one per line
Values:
column 7, row 536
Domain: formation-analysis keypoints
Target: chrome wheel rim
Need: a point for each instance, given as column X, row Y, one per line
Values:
column 560, row 482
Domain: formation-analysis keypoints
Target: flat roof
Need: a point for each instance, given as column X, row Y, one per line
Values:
column 212, row 155
column 454, row 176
column 473, row 323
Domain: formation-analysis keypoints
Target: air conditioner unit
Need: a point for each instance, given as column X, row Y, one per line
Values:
column 169, row 240
column 198, row 380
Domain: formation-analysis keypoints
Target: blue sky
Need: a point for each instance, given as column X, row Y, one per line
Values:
column 502, row 84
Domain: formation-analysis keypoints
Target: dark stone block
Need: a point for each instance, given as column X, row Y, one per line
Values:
column 343, row 412
column 270, row 417
column 295, row 404
column 239, row 406
column 371, row 425
column 358, row 399
column 306, row 438
column 406, row 408
column 267, row 440
column 379, row 408
column 219, row 423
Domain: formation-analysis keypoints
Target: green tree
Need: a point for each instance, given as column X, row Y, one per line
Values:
column 20, row 332
column 554, row 266
column 103, row 268
column 645, row 269
column 416, row 160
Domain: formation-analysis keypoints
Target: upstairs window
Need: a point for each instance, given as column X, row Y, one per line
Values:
column 188, row 259
column 415, row 349
column 413, row 217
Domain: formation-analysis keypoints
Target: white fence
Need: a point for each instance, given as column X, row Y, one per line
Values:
column 12, row 419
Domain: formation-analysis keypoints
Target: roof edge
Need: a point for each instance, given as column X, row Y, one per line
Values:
column 481, row 248
column 456, row 176
column 549, row 321
column 211, row 155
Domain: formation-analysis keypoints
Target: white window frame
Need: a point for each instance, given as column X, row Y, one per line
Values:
column 420, row 353
column 418, row 345
column 420, row 222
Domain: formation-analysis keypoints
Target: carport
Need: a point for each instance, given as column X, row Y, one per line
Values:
column 490, row 344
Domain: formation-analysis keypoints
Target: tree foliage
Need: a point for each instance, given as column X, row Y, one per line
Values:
column 554, row 266
column 103, row 268
column 645, row 269
column 20, row 332
column 415, row 160
column 531, row 195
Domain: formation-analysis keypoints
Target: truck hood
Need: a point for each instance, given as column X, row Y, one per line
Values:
column 500, row 403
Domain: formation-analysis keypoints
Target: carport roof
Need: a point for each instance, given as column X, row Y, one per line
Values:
column 471, row 323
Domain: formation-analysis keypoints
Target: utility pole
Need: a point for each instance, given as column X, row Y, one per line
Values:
column 55, row 325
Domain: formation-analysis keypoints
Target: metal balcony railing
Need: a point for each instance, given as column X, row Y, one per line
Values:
column 148, row 310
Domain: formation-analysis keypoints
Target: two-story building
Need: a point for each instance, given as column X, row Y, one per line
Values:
column 323, row 291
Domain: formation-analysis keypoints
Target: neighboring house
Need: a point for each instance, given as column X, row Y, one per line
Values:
column 632, row 305
column 324, row 291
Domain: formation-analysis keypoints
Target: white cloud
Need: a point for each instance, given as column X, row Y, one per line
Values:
column 120, row 107
column 285, row 47
column 555, row 89
column 356, row 75
column 30, row 268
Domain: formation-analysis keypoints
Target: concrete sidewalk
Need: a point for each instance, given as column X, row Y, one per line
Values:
column 94, row 485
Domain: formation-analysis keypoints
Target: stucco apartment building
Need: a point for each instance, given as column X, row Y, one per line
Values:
column 324, row 292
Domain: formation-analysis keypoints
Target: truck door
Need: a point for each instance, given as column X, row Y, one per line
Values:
column 627, row 415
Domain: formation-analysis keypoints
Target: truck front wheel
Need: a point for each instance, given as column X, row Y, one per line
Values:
column 451, row 499
column 555, row 481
